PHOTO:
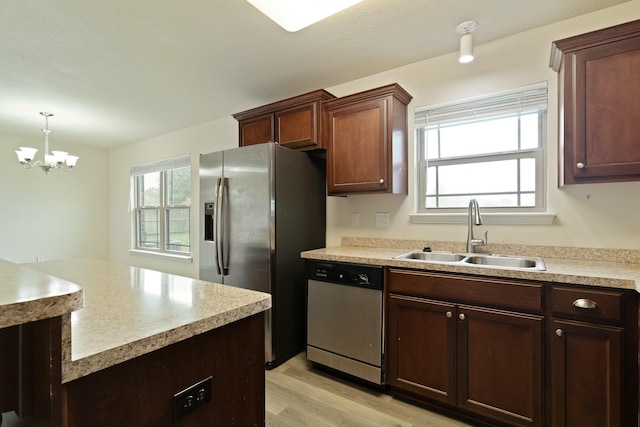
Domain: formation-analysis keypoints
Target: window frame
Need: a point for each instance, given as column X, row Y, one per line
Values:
column 163, row 208
column 527, row 214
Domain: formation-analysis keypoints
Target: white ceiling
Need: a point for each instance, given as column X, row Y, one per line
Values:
column 119, row 71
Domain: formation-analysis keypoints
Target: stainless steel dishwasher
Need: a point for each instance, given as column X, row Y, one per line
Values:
column 344, row 318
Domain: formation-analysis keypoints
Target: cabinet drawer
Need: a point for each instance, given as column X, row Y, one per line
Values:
column 587, row 303
column 475, row 290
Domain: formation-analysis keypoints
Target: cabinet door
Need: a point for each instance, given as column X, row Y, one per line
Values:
column 607, row 126
column 500, row 365
column 586, row 374
column 9, row 363
column 256, row 130
column 298, row 127
column 422, row 347
column 357, row 147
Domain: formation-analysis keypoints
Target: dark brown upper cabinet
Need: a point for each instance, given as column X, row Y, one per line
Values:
column 294, row 122
column 599, row 111
column 366, row 141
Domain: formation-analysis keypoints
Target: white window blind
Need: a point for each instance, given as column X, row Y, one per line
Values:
column 528, row 98
column 181, row 161
column 490, row 148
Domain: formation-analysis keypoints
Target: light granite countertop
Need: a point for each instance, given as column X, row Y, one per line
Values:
column 130, row 311
column 27, row 295
column 609, row 268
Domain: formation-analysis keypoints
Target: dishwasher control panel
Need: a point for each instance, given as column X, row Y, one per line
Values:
column 364, row 276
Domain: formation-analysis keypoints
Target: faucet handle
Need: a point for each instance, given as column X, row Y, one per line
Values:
column 486, row 238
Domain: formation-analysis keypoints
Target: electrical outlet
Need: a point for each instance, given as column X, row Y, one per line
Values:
column 355, row 219
column 191, row 398
column 39, row 258
column 382, row 219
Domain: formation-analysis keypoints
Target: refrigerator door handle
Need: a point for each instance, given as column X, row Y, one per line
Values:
column 221, row 227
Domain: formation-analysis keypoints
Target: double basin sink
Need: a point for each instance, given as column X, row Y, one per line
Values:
column 476, row 259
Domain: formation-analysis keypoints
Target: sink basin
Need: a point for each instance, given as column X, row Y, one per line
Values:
column 432, row 256
column 527, row 263
column 477, row 260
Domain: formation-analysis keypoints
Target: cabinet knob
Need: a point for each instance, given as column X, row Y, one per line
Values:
column 580, row 165
column 461, row 316
column 559, row 332
column 381, row 181
column 449, row 314
column 585, row 303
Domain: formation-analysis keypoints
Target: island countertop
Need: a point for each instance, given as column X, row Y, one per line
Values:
column 130, row 311
column 27, row 295
column 609, row 268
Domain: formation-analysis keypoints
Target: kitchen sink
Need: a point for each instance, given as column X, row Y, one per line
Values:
column 433, row 256
column 527, row 263
column 477, row 260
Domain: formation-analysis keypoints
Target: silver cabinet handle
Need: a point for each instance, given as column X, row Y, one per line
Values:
column 461, row 316
column 449, row 314
column 585, row 304
column 381, row 181
column 580, row 165
column 559, row 332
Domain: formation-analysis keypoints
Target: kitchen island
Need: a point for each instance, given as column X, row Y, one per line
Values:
column 144, row 336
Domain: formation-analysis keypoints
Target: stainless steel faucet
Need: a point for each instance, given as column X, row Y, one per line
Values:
column 475, row 218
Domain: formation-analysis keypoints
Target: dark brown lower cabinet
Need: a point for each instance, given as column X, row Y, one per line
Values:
column 30, row 371
column 500, row 368
column 422, row 346
column 513, row 352
column 484, row 361
column 586, row 374
column 139, row 392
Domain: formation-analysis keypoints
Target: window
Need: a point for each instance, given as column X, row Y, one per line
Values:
column 489, row 148
column 162, row 205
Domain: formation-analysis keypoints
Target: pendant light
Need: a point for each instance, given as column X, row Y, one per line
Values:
column 466, row 40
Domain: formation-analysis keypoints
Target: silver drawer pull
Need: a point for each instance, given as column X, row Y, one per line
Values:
column 585, row 303
column 449, row 314
column 580, row 165
column 559, row 332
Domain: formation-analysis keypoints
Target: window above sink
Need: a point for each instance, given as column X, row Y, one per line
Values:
column 491, row 148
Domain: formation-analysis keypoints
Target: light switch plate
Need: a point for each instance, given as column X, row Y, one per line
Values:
column 355, row 219
column 382, row 219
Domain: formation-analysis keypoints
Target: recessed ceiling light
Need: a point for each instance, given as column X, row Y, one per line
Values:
column 293, row 15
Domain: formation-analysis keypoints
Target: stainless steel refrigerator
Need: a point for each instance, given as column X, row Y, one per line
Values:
column 261, row 206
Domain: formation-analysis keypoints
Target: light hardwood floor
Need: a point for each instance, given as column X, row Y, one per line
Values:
column 298, row 395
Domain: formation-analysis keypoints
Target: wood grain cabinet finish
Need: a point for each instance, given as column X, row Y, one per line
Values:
column 294, row 122
column 598, row 90
column 422, row 347
column 586, row 374
column 366, row 140
column 30, row 372
column 594, row 357
column 139, row 392
column 481, row 360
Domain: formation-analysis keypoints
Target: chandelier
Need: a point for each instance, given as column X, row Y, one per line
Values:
column 55, row 160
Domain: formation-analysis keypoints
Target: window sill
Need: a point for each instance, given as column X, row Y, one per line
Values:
column 183, row 258
column 531, row 218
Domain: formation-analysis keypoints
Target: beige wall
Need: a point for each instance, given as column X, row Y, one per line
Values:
column 595, row 215
column 212, row 136
column 85, row 213
column 55, row 216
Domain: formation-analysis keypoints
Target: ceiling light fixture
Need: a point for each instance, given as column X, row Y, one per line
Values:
column 466, row 41
column 293, row 15
column 55, row 160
